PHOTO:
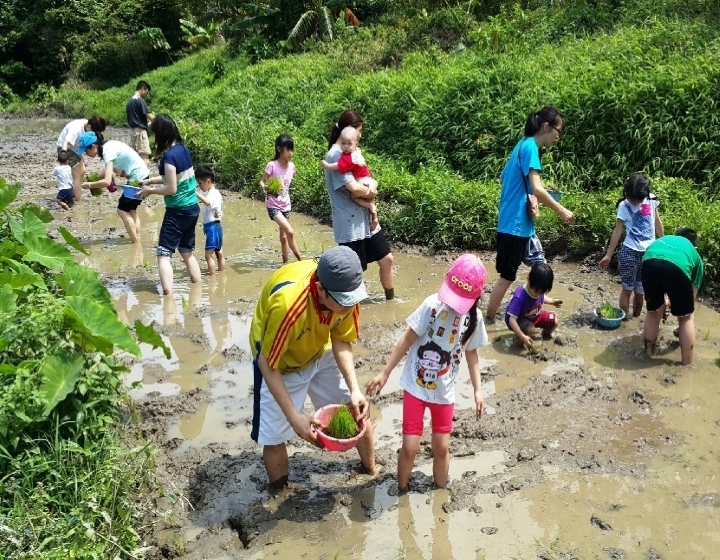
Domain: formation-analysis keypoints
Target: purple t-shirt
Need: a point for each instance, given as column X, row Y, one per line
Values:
column 524, row 306
column 282, row 200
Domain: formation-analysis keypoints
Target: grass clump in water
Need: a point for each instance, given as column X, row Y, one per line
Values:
column 342, row 425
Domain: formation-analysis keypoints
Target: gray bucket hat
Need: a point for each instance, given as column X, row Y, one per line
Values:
column 340, row 272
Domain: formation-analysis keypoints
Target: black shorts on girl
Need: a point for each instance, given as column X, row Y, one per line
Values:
column 272, row 212
column 178, row 230
column 127, row 204
column 510, row 253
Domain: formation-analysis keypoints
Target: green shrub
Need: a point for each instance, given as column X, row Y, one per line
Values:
column 113, row 61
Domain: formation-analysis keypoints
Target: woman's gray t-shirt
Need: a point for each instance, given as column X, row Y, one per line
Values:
column 351, row 222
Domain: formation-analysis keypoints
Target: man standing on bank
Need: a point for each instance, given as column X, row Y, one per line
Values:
column 306, row 318
column 139, row 116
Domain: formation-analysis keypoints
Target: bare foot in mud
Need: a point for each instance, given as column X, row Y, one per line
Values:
column 372, row 472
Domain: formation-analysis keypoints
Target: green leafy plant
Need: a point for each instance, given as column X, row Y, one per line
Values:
column 608, row 311
column 342, row 424
column 97, row 191
column 274, row 186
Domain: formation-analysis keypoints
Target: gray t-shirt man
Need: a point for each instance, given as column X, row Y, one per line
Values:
column 351, row 222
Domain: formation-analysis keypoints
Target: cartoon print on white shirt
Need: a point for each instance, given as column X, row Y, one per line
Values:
column 432, row 362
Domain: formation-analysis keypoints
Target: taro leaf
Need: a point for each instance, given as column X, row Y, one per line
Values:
column 3, row 346
column 99, row 324
column 60, row 373
column 30, row 224
column 78, row 280
column 8, row 248
column 17, row 280
column 146, row 334
column 21, row 268
column 71, row 240
column 8, row 193
column 45, row 216
column 8, row 299
column 46, row 251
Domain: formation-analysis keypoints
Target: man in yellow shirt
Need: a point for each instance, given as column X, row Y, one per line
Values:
column 301, row 333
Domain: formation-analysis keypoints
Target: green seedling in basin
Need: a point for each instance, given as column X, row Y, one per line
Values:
column 274, row 186
column 133, row 183
column 91, row 179
column 342, row 425
column 608, row 311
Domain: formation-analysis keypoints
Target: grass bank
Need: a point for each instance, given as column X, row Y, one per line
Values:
column 68, row 487
column 638, row 97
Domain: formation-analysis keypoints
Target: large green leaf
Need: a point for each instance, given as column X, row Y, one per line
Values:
column 8, row 299
column 17, row 280
column 30, row 224
column 146, row 334
column 46, row 251
column 24, row 269
column 78, row 280
column 43, row 213
column 71, row 240
column 8, row 248
column 303, row 28
column 60, row 373
column 8, row 193
column 99, row 324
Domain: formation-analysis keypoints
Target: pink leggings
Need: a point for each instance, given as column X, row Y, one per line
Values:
column 441, row 416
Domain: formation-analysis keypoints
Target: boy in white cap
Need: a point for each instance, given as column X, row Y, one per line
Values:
column 306, row 318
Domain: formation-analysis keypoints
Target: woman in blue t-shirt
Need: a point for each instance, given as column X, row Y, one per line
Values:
column 179, row 185
column 520, row 178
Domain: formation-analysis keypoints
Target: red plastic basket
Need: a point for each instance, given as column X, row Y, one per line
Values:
column 323, row 416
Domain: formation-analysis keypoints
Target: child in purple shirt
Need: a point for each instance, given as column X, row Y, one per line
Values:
column 525, row 313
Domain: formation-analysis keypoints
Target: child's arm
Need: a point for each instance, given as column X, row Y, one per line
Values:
column 473, row 363
column 614, row 240
column 659, row 227
column 330, row 166
column 553, row 301
column 264, row 178
column 521, row 336
column 401, row 348
column 204, row 199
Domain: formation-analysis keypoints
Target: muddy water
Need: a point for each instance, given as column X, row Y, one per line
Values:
column 587, row 451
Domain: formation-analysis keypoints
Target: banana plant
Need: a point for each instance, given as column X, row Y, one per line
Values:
column 318, row 20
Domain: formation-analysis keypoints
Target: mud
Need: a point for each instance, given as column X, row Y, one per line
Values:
column 587, row 450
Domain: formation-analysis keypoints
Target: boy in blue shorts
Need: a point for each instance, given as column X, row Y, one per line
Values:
column 525, row 313
column 212, row 214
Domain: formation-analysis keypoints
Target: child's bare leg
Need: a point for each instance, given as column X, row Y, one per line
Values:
column 220, row 260
column 287, row 238
column 638, row 302
column 650, row 330
column 441, row 459
column 625, row 301
column 548, row 331
column 406, row 460
column 62, row 204
column 687, row 338
column 209, row 254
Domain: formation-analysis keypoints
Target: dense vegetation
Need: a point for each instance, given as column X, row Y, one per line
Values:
column 68, row 489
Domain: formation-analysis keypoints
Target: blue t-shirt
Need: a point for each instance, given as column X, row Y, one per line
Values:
column 512, row 215
column 124, row 158
column 179, row 157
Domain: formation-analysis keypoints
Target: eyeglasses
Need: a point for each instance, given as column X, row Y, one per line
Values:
column 555, row 128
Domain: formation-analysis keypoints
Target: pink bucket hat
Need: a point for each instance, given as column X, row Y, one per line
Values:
column 463, row 284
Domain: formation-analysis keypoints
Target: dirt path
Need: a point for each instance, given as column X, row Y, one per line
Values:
column 588, row 450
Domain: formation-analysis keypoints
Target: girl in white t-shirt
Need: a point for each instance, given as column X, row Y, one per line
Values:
column 440, row 331
column 278, row 204
column 637, row 213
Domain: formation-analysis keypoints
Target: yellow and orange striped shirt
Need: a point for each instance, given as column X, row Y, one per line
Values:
column 289, row 327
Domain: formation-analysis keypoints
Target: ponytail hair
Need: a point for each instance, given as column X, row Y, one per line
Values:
column 100, row 142
column 97, row 124
column 548, row 114
column 473, row 323
column 636, row 187
column 349, row 117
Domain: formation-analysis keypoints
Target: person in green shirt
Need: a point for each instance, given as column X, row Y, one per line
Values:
column 672, row 267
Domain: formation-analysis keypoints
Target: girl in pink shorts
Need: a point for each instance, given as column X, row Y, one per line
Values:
column 440, row 331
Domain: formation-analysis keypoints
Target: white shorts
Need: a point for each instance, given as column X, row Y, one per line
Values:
column 321, row 381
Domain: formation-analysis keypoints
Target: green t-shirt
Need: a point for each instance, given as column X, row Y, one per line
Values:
column 680, row 252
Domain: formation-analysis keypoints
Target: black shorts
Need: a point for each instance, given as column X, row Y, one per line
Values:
column 128, row 204
column 660, row 277
column 510, row 253
column 370, row 249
